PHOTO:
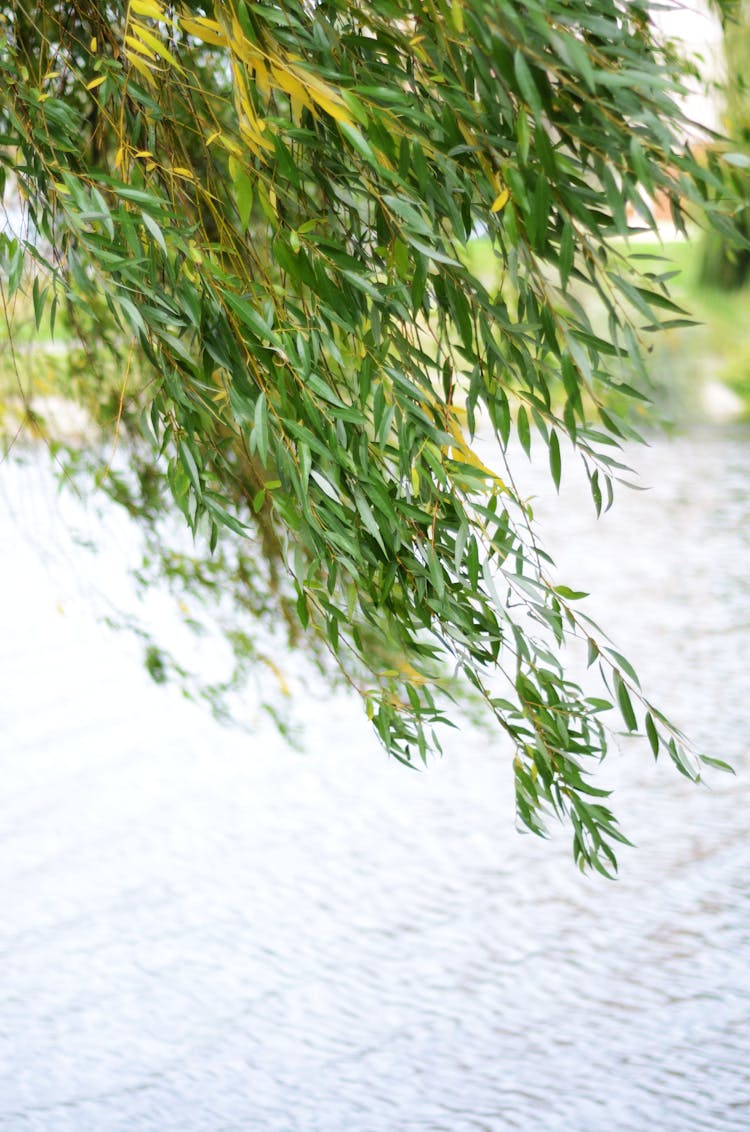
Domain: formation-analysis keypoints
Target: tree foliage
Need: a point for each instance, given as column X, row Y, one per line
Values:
column 266, row 213
column 725, row 265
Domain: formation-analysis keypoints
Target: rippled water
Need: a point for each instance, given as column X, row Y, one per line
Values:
column 205, row 932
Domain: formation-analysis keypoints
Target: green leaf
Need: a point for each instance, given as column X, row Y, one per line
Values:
column 624, row 701
column 565, row 262
column 191, row 467
column 356, row 138
column 368, row 518
column 39, row 297
column 719, row 764
column 624, row 664
column 260, row 427
column 554, row 458
column 569, row 594
column 243, row 190
column 155, row 230
column 461, row 541
column 522, row 427
column 526, row 83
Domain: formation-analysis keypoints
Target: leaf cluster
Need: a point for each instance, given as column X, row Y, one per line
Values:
column 267, row 210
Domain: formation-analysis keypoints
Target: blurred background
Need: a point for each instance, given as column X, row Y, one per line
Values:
column 214, row 930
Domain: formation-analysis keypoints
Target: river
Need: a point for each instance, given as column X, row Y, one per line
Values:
column 204, row 931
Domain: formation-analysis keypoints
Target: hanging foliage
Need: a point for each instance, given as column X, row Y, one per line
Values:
column 264, row 213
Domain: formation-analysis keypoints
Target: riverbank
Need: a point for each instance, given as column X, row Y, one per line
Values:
column 707, row 365
column 699, row 372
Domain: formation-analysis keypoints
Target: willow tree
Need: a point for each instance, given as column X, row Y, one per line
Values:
column 265, row 213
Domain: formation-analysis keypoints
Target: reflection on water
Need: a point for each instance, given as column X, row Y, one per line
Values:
column 204, row 931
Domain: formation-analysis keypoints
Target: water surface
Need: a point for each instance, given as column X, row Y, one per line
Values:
column 209, row 932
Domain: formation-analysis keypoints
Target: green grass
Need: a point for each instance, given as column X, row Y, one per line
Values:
column 718, row 348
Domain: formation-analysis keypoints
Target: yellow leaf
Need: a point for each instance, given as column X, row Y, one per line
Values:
column 220, row 396
column 500, row 201
column 297, row 105
column 143, row 153
column 96, row 82
column 231, row 146
column 303, row 87
column 241, row 45
column 468, row 455
column 254, row 141
column 336, row 109
column 148, row 8
column 291, row 84
column 142, row 68
column 147, row 37
column 284, row 687
column 261, row 77
column 93, row 45
column 324, row 95
column 142, row 48
column 252, row 127
column 204, row 29
column 410, row 673
column 181, row 171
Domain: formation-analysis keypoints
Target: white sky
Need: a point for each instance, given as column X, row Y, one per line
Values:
column 700, row 31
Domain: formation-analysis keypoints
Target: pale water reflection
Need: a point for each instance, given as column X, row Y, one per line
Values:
column 203, row 932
